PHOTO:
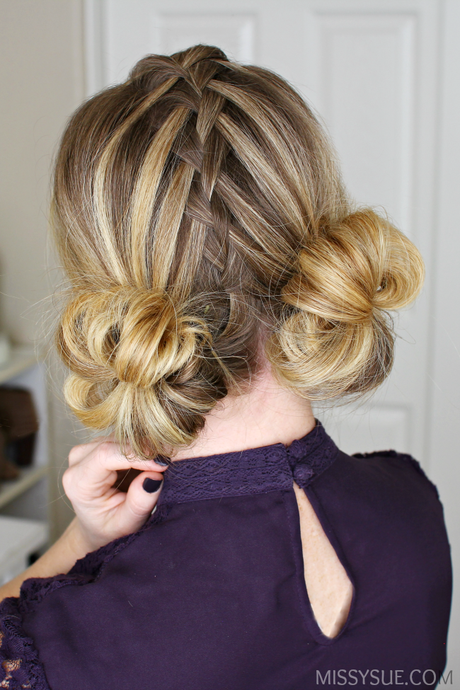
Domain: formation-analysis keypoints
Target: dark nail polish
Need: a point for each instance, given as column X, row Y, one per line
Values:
column 151, row 485
column 161, row 461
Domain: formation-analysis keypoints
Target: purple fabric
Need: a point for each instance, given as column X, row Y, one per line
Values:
column 210, row 593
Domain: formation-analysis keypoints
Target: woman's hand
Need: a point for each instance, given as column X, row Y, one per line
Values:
column 103, row 512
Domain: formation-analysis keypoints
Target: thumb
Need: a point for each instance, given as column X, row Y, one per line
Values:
column 141, row 498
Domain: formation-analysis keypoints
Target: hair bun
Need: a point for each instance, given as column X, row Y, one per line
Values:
column 137, row 336
column 339, row 339
column 357, row 265
column 133, row 354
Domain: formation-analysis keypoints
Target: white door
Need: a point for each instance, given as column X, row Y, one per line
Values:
column 372, row 70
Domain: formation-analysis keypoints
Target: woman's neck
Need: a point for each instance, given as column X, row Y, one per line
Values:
column 266, row 415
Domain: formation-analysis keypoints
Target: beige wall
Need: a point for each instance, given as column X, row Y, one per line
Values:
column 41, row 83
column 41, row 63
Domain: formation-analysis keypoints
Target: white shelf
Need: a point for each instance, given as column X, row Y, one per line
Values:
column 19, row 538
column 22, row 358
column 11, row 489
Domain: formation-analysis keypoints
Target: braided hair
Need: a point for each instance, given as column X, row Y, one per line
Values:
column 201, row 220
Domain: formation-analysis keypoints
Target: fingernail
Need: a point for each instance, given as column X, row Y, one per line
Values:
column 151, row 485
column 160, row 461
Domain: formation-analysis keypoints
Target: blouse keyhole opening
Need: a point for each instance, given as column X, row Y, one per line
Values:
column 329, row 589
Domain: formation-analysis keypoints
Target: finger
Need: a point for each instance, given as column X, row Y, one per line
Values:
column 94, row 476
column 141, row 499
column 77, row 453
column 110, row 456
column 101, row 463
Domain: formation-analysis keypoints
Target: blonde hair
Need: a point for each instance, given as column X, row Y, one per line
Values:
column 199, row 212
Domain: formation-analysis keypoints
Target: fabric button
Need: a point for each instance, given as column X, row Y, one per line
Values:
column 302, row 474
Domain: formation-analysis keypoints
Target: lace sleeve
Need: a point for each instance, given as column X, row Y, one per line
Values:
column 20, row 666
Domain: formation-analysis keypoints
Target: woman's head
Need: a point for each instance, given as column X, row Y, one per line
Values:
column 201, row 219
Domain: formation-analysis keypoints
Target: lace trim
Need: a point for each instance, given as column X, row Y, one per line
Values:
column 311, row 456
column 232, row 474
column 20, row 667
column 270, row 468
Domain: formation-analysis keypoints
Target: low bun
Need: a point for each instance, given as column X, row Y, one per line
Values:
column 134, row 356
column 337, row 337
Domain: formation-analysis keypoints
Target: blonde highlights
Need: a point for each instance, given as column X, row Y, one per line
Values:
column 195, row 207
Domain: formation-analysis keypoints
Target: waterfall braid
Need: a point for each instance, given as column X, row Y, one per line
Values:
column 200, row 217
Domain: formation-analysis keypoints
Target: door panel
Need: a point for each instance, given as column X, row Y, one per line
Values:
column 364, row 71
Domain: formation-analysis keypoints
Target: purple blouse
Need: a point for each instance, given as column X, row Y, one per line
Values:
column 210, row 593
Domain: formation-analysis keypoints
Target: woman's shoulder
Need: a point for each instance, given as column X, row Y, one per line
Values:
column 384, row 471
column 386, row 498
column 394, row 466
